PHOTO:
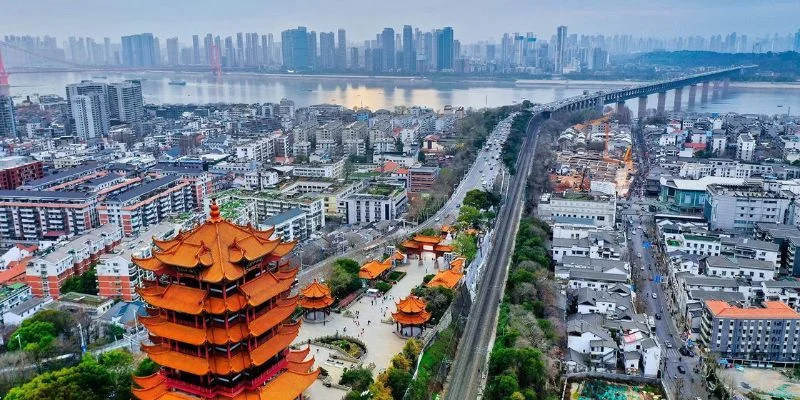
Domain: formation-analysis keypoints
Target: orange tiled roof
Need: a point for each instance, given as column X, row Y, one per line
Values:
column 458, row 264
column 771, row 310
column 217, row 247
column 222, row 365
column 267, row 286
column 15, row 271
column 298, row 355
column 316, row 290
column 409, row 244
column 288, row 385
column 374, row 268
column 427, row 239
column 398, row 255
column 444, row 248
column 411, row 311
column 448, row 279
column 411, row 304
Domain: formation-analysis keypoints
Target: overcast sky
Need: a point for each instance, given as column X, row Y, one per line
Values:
column 472, row 20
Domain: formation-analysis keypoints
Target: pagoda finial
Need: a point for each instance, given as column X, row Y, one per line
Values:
column 215, row 215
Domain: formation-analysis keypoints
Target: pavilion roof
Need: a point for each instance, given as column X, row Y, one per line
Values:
column 427, row 239
column 411, row 305
column 458, row 263
column 218, row 248
column 448, row 278
column 316, row 290
column 374, row 268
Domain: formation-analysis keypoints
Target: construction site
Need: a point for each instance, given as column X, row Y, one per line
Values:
column 594, row 156
column 596, row 389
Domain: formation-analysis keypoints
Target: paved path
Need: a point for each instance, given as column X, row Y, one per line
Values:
column 380, row 338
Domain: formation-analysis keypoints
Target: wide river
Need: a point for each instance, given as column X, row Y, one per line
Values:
column 386, row 93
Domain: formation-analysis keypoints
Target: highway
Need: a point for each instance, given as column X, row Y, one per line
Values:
column 467, row 369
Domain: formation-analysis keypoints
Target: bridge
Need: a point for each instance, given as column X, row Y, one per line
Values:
column 720, row 79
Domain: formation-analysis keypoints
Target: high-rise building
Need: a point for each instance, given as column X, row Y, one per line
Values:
column 107, row 50
column 409, row 54
column 444, row 58
column 327, row 51
column 195, row 49
column 387, row 44
column 294, row 49
column 239, row 49
column 125, row 102
column 341, row 50
column 797, row 41
column 90, row 114
column 561, row 41
column 354, row 61
column 84, row 87
column 8, row 119
column 173, row 51
column 208, row 43
column 266, row 57
column 312, row 49
column 139, row 50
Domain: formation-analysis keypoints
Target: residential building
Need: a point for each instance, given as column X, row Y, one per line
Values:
column 595, row 208
column 743, row 247
column 66, row 178
column 738, row 208
column 30, row 216
column 46, row 273
column 257, row 206
column 289, row 225
column 422, row 179
column 147, row 204
column 763, row 334
column 139, row 50
column 745, row 146
column 12, row 295
column 18, row 170
column 333, row 170
column 737, row 267
column 690, row 194
column 90, row 114
column 375, row 202
column 125, row 101
column 8, row 118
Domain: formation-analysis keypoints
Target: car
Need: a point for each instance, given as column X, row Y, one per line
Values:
column 684, row 351
column 437, row 219
column 655, row 296
column 681, row 369
column 658, row 315
column 669, row 344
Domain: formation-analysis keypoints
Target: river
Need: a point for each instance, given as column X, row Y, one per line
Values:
column 384, row 93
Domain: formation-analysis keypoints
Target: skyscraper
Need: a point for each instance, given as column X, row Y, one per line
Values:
column 409, row 54
column 139, row 50
column 387, row 44
column 195, row 49
column 327, row 51
column 312, row 49
column 341, row 50
column 354, row 61
column 444, row 58
column 294, row 48
column 561, row 39
column 266, row 57
column 173, row 51
column 125, row 102
column 239, row 50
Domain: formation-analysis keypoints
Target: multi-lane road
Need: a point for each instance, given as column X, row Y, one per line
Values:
column 467, row 370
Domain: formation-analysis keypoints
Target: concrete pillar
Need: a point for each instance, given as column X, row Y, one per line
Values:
column 692, row 95
column 620, row 106
column 642, row 108
column 704, row 93
column 726, row 83
column 715, row 91
column 662, row 102
column 678, row 98
column 600, row 103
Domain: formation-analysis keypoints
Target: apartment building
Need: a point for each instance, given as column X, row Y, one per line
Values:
column 262, row 205
column 737, row 208
column 289, row 225
column 46, row 274
column 29, row 216
column 15, row 171
column 376, row 202
column 147, row 204
column 117, row 275
column 333, row 170
column 737, row 267
column 65, row 178
column 200, row 182
column 595, row 208
column 745, row 147
column 769, row 333
column 422, row 179
column 743, row 247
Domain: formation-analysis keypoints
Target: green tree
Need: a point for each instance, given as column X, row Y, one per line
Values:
column 36, row 336
column 146, row 367
column 348, row 265
column 470, row 216
column 421, row 157
column 466, row 245
column 398, row 145
column 87, row 381
column 397, row 381
column 480, row 199
column 61, row 320
column 84, row 283
column 359, row 379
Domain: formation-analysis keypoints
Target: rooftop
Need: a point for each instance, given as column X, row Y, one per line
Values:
column 770, row 310
column 144, row 188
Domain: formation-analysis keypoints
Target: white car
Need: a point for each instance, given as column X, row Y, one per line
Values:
column 655, row 296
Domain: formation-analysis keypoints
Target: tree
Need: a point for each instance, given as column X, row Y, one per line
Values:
column 87, row 381
column 84, row 283
column 146, row 367
column 466, row 245
column 397, row 380
column 348, row 265
column 480, row 199
column 379, row 391
column 421, row 157
column 398, row 145
column 470, row 216
column 359, row 379
column 36, row 336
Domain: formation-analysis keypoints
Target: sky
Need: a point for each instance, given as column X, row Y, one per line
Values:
column 472, row 20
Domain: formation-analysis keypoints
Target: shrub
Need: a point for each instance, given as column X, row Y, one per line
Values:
column 383, row 286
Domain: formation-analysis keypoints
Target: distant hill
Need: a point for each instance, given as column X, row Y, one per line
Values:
column 772, row 66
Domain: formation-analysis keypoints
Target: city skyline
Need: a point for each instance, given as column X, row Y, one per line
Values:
column 148, row 16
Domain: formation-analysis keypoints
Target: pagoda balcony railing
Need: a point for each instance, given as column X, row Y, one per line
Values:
column 227, row 391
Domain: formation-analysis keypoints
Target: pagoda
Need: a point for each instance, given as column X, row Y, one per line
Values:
column 421, row 243
column 411, row 316
column 316, row 301
column 220, row 316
